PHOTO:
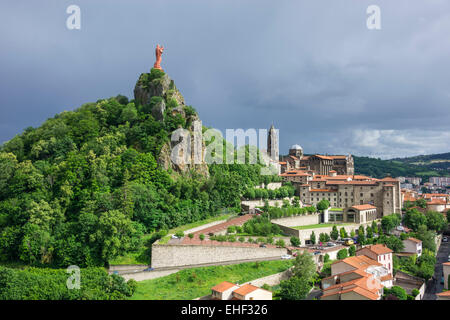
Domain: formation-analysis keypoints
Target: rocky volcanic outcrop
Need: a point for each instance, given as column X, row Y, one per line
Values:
column 159, row 84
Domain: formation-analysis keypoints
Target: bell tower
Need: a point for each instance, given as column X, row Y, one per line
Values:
column 272, row 144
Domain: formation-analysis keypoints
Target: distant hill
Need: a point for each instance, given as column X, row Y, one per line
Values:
column 424, row 166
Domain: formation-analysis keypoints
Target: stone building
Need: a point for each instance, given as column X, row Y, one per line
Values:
column 273, row 144
column 321, row 164
column 352, row 193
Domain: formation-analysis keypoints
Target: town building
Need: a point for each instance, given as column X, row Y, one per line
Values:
column 321, row 164
column 230, row 291
column 412, row 246
column 440, row 181
column 347, row 192
column 379, row 253
column 446, row 274
column 356, row 278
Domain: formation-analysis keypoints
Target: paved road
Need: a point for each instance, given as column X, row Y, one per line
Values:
column 435, row 286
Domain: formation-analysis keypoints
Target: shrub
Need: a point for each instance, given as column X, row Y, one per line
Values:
column 342, row 254
column 191, row 235
column 231, row 229
column 326, row 258
column 179, row 234
column 352, row 251
column 241, row 239
column 295, row 241
column 201, row 237
column 280, row 243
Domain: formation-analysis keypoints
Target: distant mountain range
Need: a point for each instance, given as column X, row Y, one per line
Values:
column 424, row 166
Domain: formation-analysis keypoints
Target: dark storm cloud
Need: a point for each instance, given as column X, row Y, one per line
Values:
column 310, row 67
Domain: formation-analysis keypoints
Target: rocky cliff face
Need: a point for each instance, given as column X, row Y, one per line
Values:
column 173, row 155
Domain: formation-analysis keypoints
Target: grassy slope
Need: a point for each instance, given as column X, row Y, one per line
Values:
column 140, row 257
column 197, row 282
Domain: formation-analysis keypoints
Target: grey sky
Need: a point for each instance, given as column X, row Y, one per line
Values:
column 310, row 67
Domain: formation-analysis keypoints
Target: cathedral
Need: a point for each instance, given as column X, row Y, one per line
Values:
column 319, row 164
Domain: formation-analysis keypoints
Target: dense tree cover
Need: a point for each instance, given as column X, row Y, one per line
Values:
column 85, row 186
column 51, row 284
column 390, row 222
column 342, row 254
column 401, row 167
column 392, row 242
column 261, row 226
column 260, row 193
column 299, row 285
column 289, row 211
column 396, row 291
column 422, row 267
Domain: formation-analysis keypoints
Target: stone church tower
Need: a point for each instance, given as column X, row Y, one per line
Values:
column 272, row 144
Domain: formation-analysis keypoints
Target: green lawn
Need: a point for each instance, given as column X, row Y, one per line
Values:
column 142, row 256
column 321, row 225
column 195, row 224
column 192, row 283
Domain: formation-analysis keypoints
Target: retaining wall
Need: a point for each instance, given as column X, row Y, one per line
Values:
column 191, row 255
column 297, row 221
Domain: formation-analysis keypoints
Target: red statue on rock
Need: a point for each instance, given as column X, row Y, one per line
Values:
column 158, row 52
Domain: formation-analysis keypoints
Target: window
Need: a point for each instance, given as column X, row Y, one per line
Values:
column 361, row 194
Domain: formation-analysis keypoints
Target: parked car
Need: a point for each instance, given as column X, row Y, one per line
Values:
column 442, row 280
column 349, row 242
column 149, row 269
column 174, row 237
column 331, row 244
column 115, row 272
column 448, row 259
column 263, row 245
column 286, row 256
column 445, row 239
column 317, row 252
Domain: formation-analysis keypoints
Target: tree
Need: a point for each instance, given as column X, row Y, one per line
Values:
column 280, row 243
column 304, row 266
column 414, row 218
column 352, row 234
column 295, row 241
column 312, row 238
column 369, row 232
column 374, row 227
column 389, row 222
column 394, row 243
column 342, row 254
column 352, row 251
column 201, row 237
column 334, row 233
column 343, row 233
column 323, row 205
column 436, row 221
column 396, row 291
column 191, row 235
column 361, row 235
column 296, row 288
column 326, row 258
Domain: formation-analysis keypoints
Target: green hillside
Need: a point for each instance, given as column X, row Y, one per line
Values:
column 424, row 166
column 85, row 186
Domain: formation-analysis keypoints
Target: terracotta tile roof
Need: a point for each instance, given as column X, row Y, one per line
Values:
column 414, row 240
column 367, row 183
column 333, row 171
column 359, row 262
column 378, row 249
column 387, row 278
column 444, row 294
column 223, row 286
column 323, row 157
column 245, row 289
column 360, row 286
column 295, row 173
column 389, row 179
column 436, row 201
column 338, row 157
column 322, row 190
column 389, row 185
column 434, row 195
column 282, row 162
column 446, row 263
column 364, row 207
